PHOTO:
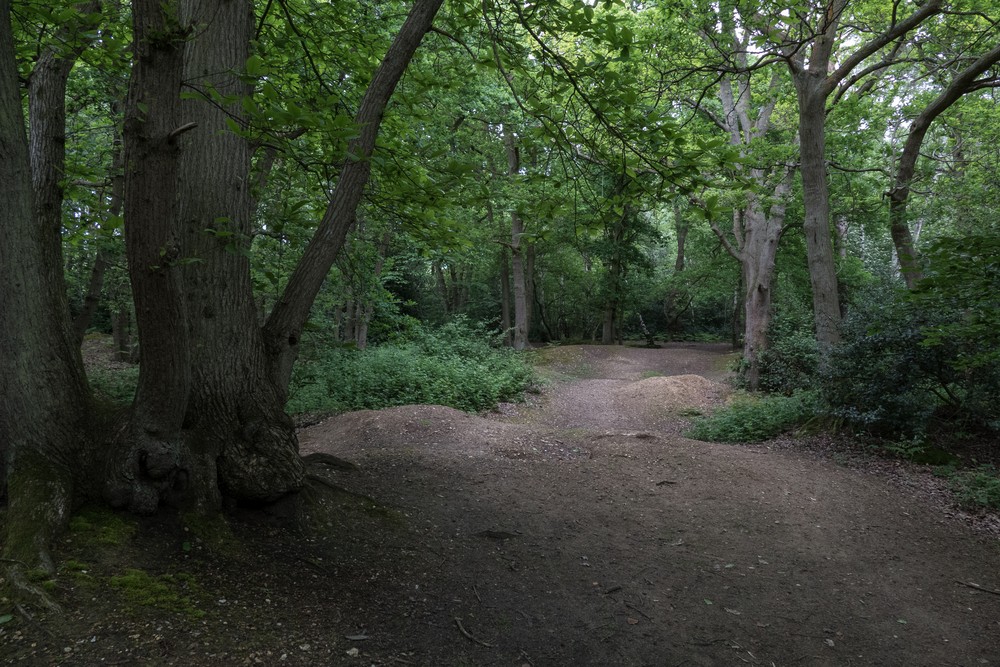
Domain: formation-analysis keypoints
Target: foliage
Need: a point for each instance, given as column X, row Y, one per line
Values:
column 890, row 378
column 458, row 365
column 755, row 418
column 791, row 362
column 964, row 281
column 976, row 488
column 114, row 384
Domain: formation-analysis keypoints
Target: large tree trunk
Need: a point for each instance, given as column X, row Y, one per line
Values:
column 45, row 409
column 762, row 232
column 816, row 200
column 241, row 441
column 148, row 458
column 284, row 327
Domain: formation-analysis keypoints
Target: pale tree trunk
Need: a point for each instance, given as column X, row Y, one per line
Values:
column 239, row 435
column 964, row 81
column 442, row 285
column 45, row 411
column 284, row 327
column 840, row 227
column 144, row 466
column 366, row 311
column 757, row 227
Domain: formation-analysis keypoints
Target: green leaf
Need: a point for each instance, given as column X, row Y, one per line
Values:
column 6, row 618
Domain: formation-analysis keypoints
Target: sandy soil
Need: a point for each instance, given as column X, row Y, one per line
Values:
column 580, row 528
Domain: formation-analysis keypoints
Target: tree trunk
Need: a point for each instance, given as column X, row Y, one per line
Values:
column 816, row 200
column 284, row 326
column 45, row 411
column 146, row 462
column 505, row 296
column 241, row 442
column 758, row 259
column 517, row 268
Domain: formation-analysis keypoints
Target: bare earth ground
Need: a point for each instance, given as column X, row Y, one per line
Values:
column 581, row 528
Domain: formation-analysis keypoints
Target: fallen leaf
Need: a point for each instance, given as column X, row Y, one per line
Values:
column 829, row 642
column 632, row 621
column 734, row 611
column 356, row 638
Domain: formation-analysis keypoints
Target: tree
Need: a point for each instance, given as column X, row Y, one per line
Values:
column 816, row 75
column 963, row 82
column 207, row 418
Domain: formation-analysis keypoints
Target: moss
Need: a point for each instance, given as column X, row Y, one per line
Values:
column 99, row 526
column 213, row 531
column 168, row 592
column 39, row 496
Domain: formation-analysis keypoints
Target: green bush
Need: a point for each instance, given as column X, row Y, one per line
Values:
column 888, row 379
column 752, row 418
column 457, row 365
column 791, row 362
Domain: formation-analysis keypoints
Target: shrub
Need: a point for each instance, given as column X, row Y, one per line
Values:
column 887, row 379
column 457, row 365
column 791, row 362
column 752, row 418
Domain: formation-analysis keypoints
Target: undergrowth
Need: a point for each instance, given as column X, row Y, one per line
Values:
column 752, row 418
column 457, row 365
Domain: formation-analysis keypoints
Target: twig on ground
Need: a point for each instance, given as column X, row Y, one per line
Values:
column 977, row 587
column 638, row 611
column 476, row 591
column 469, row 635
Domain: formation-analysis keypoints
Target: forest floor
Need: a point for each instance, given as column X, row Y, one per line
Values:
column 579, row 528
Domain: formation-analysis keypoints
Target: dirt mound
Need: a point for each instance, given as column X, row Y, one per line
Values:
column 408, row 429
column 672, row 393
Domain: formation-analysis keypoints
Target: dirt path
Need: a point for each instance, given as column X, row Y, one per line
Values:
column 579, row 529
column 584, row 530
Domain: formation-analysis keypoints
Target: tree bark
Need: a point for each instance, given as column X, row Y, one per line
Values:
column 816, row 200
column 815, row 78
column 241, row 442
column 517, row 268
column 45, row 412
column 148, row 459
column 284, row 327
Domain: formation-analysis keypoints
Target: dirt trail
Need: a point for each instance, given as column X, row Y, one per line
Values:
column 584, row 530
column 579, row 529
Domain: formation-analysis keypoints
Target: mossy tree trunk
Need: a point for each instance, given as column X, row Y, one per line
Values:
column 44, row 413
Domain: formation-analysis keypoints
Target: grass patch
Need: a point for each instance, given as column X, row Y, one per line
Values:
column 115, row 385
column 751, row 418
